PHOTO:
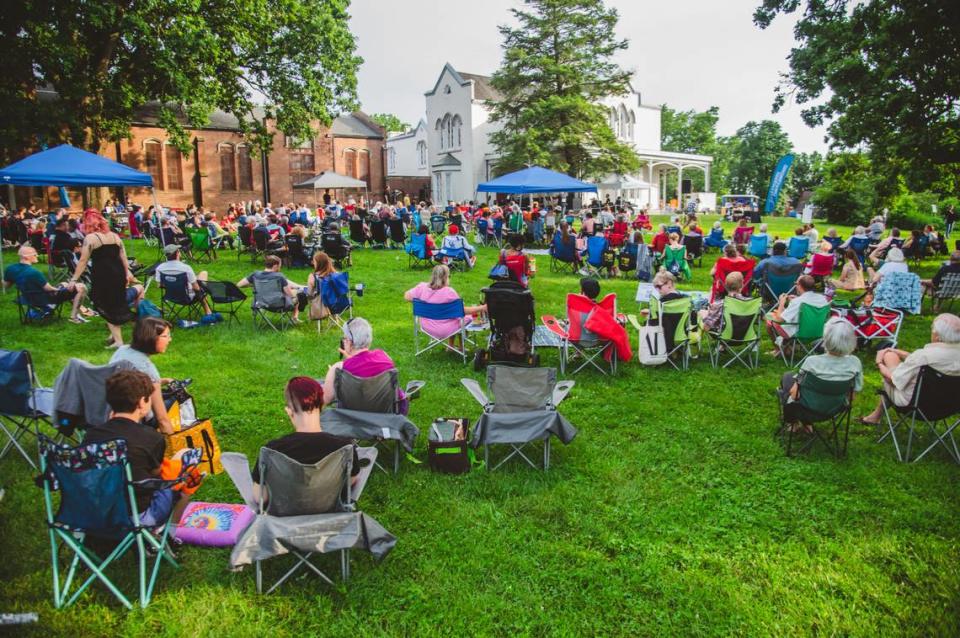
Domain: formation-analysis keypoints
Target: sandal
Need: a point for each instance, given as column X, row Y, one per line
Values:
column 863, row 421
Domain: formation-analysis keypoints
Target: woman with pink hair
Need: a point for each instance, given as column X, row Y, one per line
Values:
column 110, row 274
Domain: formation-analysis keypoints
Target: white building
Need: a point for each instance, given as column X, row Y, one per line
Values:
column 460, row 155
column 407, row 153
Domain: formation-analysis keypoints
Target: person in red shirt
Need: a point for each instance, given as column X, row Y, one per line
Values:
column 660, row 240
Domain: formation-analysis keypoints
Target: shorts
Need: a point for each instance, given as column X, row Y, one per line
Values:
column 132, row 294
column 60, row 296
column 159, row 509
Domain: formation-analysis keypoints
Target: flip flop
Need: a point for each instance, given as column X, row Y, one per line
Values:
column 863, row 421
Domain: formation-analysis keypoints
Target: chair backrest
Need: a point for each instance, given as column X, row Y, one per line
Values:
column 579, row 308
column 563, row 251
column 821, row 265
column 936, row 395
column 482, row 226
column 949, row 286
column 223, row 291
column 92, row 479
column 798, row 247
column 672, row 254
column 780, row 279
column 378, row 229
column 811, row 321
column 596, row 244
column 246, row 235
column 518, row 389
column 716, row 234
column 742, row 234
column 17, row 382
column 821, row 399
column 436, row 311
column 725, row 267
column 175, row 287
column 859, row 245
column 899, row 290
column 758, row 245
column 199, row 238
column 367, row 394
column 693, row 244
column 296, row 489
column 397, row 232
column 268, row 293
column 740, row 319
column 261, row 237
column 79, row 393
column 674, row 316
column 356, row 231
column 417, row 246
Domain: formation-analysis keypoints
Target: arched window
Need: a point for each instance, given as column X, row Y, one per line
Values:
column 364, row 160
column 173, row 159
column 612, row 118
column 633, row 122
column 228, row 172
column 244, row 168
column 152, row 152
column 421, row 153
column 446, row 132
column 456, row 125
column 440, row 133
column 392, row 159
column 350, row 162
column 624, row 122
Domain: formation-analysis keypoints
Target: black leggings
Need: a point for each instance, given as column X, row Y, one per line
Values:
column 791, row 409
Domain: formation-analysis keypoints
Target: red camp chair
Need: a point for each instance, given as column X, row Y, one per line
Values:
column 573, row 334
column 642, row 222
column 725, row 267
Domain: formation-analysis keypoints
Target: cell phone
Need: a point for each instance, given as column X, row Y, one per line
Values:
column 340, row 349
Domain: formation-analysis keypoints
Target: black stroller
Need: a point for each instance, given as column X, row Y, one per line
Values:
column 510, row 309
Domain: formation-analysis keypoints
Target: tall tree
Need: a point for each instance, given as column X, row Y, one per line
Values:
column 759, row 146
column 390, row 122
column 695, row 132
column 882, row 73
column 557, row 67
column 102, row 60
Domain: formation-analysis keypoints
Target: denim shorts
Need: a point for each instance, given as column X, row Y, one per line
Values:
column 159, row 510
column 131, row 295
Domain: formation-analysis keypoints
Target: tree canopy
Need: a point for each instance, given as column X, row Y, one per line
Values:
column 77, row 71
column 880, row 73
column 390, row 122
column 758, row 146
column 557, row 68
column 696, row 132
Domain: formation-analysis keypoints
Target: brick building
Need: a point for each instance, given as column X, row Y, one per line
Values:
column 221, row 168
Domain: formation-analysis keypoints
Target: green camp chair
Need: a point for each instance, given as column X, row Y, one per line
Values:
column 201, row 247
column 819, row 401
column 97, row 500
column 675, row 316
column 809, row 333
column 739, row 337
column 677, row 256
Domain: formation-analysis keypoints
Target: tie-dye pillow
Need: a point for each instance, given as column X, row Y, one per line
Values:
column 213, row 524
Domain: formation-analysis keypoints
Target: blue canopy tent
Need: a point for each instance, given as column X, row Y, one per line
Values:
column 67, row 165
column 535, row 179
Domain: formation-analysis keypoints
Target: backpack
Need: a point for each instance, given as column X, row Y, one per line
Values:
column 447, row 450
column 147, row 308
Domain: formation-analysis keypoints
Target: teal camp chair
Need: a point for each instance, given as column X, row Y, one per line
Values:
column 819, row 401
column 776, row 281
column 739, row 337
column 809, row 334
column 97, row 500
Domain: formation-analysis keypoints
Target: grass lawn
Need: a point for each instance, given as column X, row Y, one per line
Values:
column 674, row 512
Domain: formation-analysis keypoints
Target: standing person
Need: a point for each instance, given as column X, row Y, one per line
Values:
column 34, row 287
column 114, row 286
column 950, row 218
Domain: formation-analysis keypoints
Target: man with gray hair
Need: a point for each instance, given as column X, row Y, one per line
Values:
column 900, row 369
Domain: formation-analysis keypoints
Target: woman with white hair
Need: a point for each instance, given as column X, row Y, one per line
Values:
column 838, row 364
column 358, row 359
column 894, row 262
column 858, row 233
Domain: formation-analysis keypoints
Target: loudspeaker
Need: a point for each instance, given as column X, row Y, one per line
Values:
column 687, row 186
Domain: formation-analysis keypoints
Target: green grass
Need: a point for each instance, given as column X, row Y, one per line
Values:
column 674, row 512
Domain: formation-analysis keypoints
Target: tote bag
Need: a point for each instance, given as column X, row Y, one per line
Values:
column 653, row 346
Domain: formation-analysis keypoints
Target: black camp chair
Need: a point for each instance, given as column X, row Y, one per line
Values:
column 332, row 243
column 378, row 230
column 398, row 234
column 819, row 401
column 935, row 400
column 225, row 297
column 176, row 302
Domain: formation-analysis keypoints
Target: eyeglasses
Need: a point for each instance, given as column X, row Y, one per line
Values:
column 165, row 335
column 657, row 286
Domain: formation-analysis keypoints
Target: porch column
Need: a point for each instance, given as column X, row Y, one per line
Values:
column 680, row 186
column 706, row 178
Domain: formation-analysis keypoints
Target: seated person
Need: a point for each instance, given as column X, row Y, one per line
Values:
column 128, row 394
column 170, row 233
column 332, row 234
column 665, row 285
column 930, row 286
column 64, row 242
column 712, row 316
column 715, row 238
column 218, row 236
column 438, row 291
column 741, row 235
column 588, row 225
column 517, row 263
column 36, row 290
column 660, row 240
column 563, row 237
column 894, row 262
column 730, row 256
column 782, row 321
column 296, row 297
column 174, row 266
column 851, row 275
column 151, row 335
column 359, row 360
column 455, row 242
column 880, row 250
column 693, row 227
column 838, row 364
column 779, row 259
column 900, row 369
column 859, row 233
column 821, row 263
column 276, row 231
column 811, row 233
column 308, row 443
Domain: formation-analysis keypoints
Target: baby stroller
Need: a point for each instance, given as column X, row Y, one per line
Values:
column 512, row 317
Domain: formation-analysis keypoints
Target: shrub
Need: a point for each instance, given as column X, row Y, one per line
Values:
column 910, row 211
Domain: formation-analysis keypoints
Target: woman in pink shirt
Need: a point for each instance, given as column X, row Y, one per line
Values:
column 439, row 291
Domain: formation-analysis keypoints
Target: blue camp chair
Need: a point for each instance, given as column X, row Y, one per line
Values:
column 798, row 247
column 596, row 246
column 439, row 311
column 483, row 231
column 335, row 296
column 455, row 259
column 715, row 239
column 417, row 251
column 563, row 256
column 176, row 302
column 859, row 245
column 438, row 224
column 758, row 246
column 23, row 405
column 97, row 500
column 778, row 281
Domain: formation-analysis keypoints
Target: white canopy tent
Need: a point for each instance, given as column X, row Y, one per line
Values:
column 329, row 180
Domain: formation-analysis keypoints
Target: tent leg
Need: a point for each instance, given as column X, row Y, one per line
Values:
column 156, row 207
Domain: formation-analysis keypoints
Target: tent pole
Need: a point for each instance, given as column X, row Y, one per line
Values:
column 2, row 287
column 156, row 207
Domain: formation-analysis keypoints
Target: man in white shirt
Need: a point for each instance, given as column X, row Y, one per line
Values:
column 895, row 262
column 900, row 369
column 173, row 266
column 782, row 322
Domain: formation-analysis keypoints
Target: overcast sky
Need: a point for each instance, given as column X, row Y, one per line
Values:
column 688, row 54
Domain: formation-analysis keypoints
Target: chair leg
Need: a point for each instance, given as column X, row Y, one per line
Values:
column 546, row 453
column 345, row 564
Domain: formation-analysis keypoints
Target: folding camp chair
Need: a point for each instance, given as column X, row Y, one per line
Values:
column 714, row 239
column 263, row 245
column 798, row 247
column 935, row 401
column 564, row 257
column 809, row 333
column 676, row 317
column 873, row 325
column 484, row 232
column 295, row 253
column 778, row 280
column 97, row 500
column 224, row 297
column 60, row 265
column 368, row 409
column 741, row 237
column 201, row 246
column 758, row 246
column 725, row 267
column 818, row 401
column 899, row 291
column 594, row 263
column 859, row 245
column 438, row 312
column 948, row 291
column 574, row 335
column 34, row 308
column 357, row 233
column 331, row 242
column 739, row 334
column 416, row 250
column 693, row 244
column 23, row 404
column 334, row 294
column 246, row 245
column 522, row 412
column 378, row 232
column 398, row 234
column 438, row 224
column 271, row 306
column 175, row 301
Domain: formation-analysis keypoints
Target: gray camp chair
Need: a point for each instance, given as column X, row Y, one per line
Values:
column 308, row 509
column 523, row 411
column 367, row 409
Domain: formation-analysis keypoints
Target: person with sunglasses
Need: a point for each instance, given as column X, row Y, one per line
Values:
column 666, row 286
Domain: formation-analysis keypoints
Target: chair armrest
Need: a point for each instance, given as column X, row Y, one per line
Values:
column 238, row 469
column 634, row 322
column 476, row 391
column 560, row 391
column 553, row 325
column 412, row 391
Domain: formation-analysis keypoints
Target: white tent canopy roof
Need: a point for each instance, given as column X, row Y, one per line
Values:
column 329, row 179
column 622, row 182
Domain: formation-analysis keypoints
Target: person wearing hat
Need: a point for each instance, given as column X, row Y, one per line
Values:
column 455, row 242
column 893, row 263
column 173, row 266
